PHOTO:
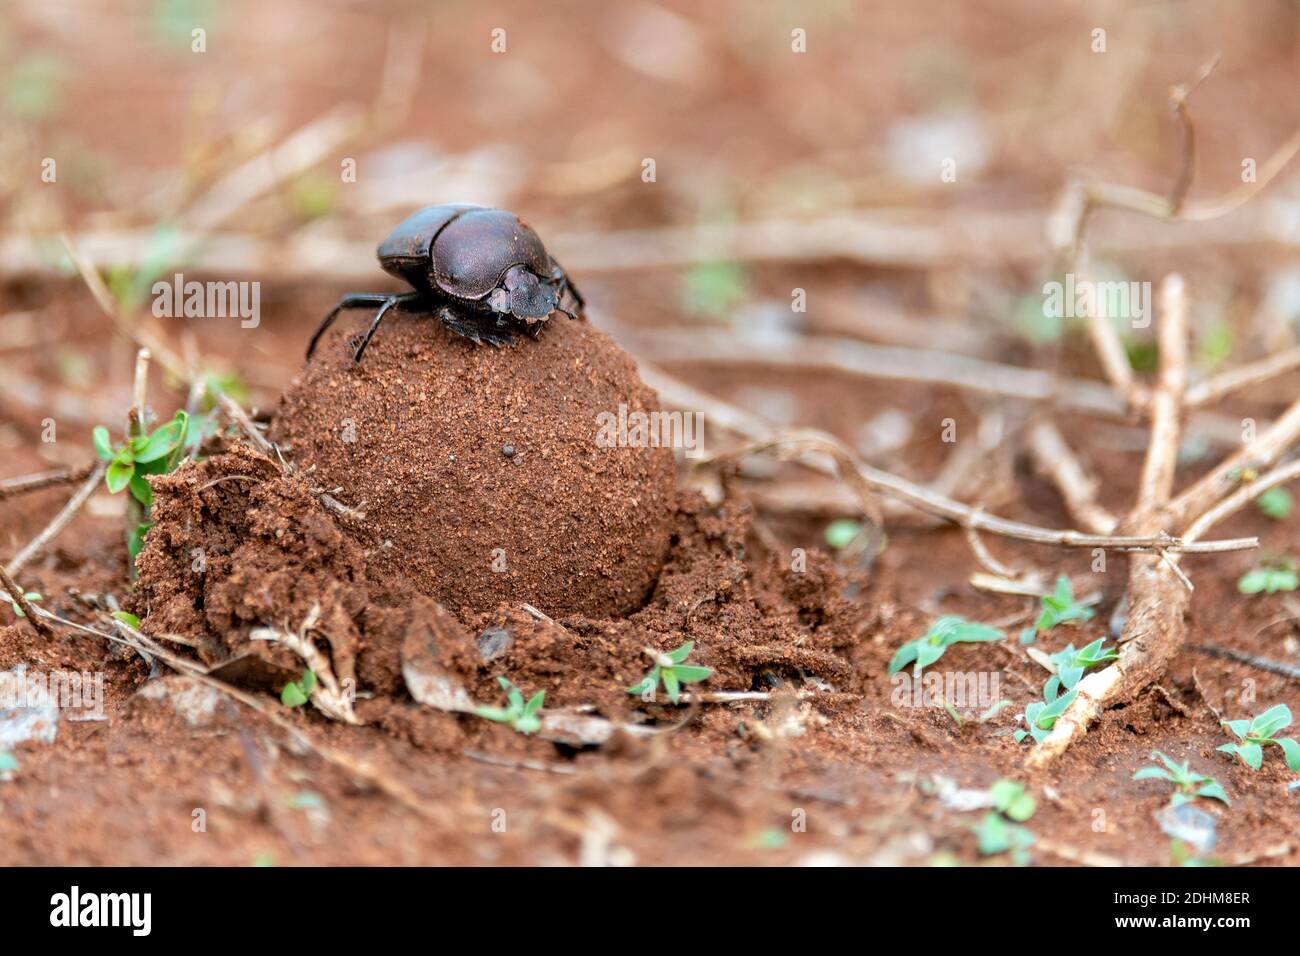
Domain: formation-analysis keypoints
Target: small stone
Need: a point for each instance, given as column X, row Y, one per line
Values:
column 493, row 642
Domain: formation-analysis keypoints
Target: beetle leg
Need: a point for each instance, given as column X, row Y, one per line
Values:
column 566, row 285
column 353, row 300
column 391, row 301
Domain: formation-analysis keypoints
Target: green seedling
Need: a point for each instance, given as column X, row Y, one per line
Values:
column 1041, row 717
column 1256, row 734
column 127, row 618
column 841, row 532
column 1188, row 784
column 1269, row 579
column 519, row 715
column 996, row 708
column 151, row 453
column 943, row 633
column 148, row 454
column 671, row 670
column 1070, row 665
column 714, row 288
column 298, row 692
column 1276, row 503
column 1000, row 831
column 30, row 596
column 1059, row 607
column 1012, row 800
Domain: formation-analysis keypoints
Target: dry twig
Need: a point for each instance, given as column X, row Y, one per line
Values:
column 61, row 520
column 22, row 604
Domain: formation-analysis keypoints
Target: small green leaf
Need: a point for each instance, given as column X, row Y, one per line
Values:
column 1271, row 721
column 103, row 447
column 670, row 684
column 1152, row 773
column 292, row 695
column 163, row 440
column 840, row 533
column 903, row 656
column 1251, row 754
column 118, row 475
column 926, row 655
column 1238, row 727
column 140, row 490
column 1269, row 580
column 679, row 654
column 1213, row 791
column 1290, row 750
column 1276, row 503
column 127, row 618
column 534, row 703
column 691, row 673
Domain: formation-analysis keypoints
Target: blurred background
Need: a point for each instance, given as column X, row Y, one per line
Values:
column 691, row 165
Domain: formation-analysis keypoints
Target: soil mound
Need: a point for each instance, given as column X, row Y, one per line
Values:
column 239, row 547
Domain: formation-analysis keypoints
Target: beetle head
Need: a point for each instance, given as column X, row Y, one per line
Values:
column 524, row 296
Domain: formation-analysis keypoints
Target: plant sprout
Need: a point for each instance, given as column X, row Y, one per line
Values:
column 1256, row 734
column 1041, row 717
column 841, row 532
column 29, row 596
column 153, row 453
column 943, row 633
column 672, row 671
column 1000, row 830
column 1188, row 785
column 1276, row 503
column 298, row 692
column 1059, row 607
column 519, row 715
column 1269, row 579
column 1070, row 665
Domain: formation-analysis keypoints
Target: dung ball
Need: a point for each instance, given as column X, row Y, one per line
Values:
column 488, row 475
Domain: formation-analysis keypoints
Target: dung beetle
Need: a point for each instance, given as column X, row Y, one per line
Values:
column 483, row 272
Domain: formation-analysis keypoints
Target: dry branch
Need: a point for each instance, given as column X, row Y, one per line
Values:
column 827, row 454
column 22, row 605
column 23, row 484
column 1154, row 629
column 60, row 521
column 894, row 363
column 1267, row 448
column 1281, row 475
column 1244, row 376
column 1056, row 461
